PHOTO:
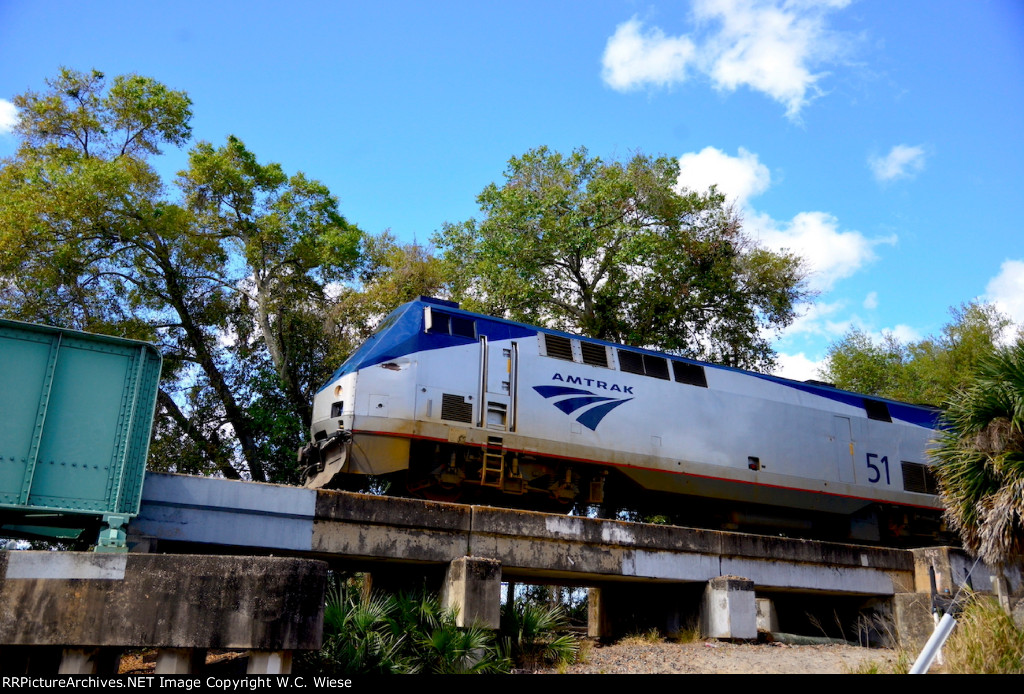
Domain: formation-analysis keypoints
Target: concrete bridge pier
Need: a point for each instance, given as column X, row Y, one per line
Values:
column 179, row 661
column 269, row 663
column 729, row 610
column 472, row 586
column 89, row 661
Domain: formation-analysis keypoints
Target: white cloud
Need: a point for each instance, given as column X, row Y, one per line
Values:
column 766, row 45
column 739, row 178
column 902, row 333
column 871, row 301
column 831, row 254
column 1006, row 290
column 8, row 116
column 814, row 319
column 797, row 366
column 902, row 161
column 632, row 59
column 769, row 47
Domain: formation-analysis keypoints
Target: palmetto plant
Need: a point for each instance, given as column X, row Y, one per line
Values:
column 537, row 635
column 407, row 633
column 979, row 459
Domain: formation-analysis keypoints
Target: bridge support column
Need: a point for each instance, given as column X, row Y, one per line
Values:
column 179, row 661
column 599, row 622
column 473, row 586
column 728, row 610
column 89, row 661
column 269, row 663
column 767, row 617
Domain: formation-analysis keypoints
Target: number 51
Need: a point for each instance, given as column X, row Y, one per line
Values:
column 875, row 469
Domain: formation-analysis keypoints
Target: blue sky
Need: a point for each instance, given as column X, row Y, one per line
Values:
column 884, row 141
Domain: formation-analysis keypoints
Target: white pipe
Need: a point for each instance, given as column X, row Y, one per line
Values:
column 938, row 638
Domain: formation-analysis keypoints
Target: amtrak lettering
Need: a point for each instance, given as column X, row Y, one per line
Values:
column 591, row 406
column 614, row 387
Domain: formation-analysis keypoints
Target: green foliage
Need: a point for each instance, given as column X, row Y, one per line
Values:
column 398, row 634
column 612, row 250
column 536, row 635
column 927, row 371
column 230, row 277
column 389, row 274
column 985, row 641
column 979, row 459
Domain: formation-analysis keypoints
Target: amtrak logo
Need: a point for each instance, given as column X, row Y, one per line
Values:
column 570, row 400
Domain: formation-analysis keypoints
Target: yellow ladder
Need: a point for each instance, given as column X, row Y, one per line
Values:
column 492, row 472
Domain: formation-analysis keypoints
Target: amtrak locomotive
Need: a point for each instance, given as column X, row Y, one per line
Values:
column 460, row 403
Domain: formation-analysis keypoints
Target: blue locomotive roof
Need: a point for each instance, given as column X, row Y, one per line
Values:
column 402, row 333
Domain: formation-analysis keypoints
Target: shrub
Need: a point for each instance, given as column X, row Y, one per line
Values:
column 535, row 636
column 408, row 633
column 985, row 641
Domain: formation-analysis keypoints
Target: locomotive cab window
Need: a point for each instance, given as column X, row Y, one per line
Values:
column 441, row 323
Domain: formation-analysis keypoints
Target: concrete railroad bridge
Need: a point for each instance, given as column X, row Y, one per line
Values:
column 73, row 612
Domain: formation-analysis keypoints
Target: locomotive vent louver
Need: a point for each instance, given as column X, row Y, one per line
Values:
column 558, row 347
column 919, row 478
column 595, row 355
column 454, row 408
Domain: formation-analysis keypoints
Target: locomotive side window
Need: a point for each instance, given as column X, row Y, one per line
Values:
column 464, row 327
column 437, row 323
column 877, row 410
column 441, row 323
column 558, row 347
column 691, row 374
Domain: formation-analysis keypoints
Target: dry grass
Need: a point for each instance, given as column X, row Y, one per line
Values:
column 985, row 641
column 639, row 639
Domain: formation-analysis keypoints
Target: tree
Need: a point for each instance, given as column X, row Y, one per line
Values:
column 926, row 371
column 226, row 277
column 291, row 240
column 979, row 460
column 856, row 363
column 389, row 275
column 614, row 251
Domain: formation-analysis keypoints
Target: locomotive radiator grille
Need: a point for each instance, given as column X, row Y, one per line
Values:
column 919, row 478
column 454, row 408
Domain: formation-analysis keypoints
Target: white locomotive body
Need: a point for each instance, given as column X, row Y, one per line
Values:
column 465, row 401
